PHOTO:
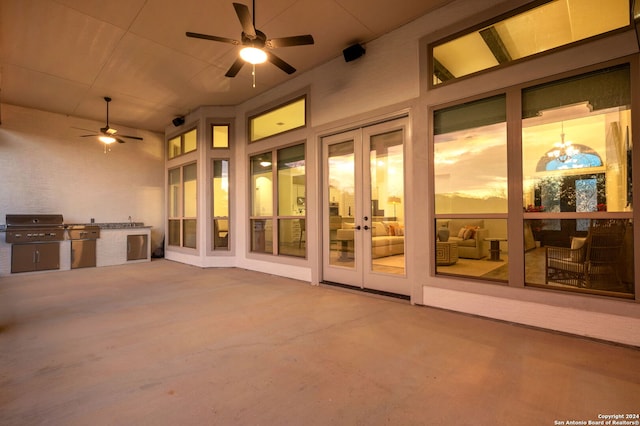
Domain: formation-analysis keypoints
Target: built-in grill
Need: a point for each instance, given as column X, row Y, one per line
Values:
column 30, row 228
column 35, row 240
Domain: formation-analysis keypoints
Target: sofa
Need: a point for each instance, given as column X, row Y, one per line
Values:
column 387, row 237
column 469, row 234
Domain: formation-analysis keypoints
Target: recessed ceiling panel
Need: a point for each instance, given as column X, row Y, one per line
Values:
column 166, row 21
column 387, row 16
column 25, row 87
column 47, row 37
column 117, row 12
column 157, row 74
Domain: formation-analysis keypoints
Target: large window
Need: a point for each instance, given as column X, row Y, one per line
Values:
column 551, row 25
column 470, row 182
column 278, row 203
column 183, row 206
column 576, row 185
column 576, row 139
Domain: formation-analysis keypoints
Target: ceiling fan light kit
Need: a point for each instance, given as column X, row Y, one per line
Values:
column 255, row 43
column 107, row 134
column 253, row 55
column 107, row 139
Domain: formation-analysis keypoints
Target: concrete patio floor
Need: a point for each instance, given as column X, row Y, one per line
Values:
column 162, row 343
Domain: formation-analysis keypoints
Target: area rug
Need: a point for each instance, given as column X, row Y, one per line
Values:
column 472, row 267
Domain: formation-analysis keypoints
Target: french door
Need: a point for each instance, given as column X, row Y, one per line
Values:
column 363, row 208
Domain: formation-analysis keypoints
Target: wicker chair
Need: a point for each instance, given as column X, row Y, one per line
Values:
column 594, row 260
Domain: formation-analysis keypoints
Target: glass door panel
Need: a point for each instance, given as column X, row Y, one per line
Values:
column 341, row 239
column 387, row 208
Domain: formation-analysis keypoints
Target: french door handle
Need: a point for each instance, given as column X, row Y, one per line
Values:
column 358, row 228
column 366, row 228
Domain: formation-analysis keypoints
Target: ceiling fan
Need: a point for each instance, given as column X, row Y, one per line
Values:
column 255, row 42
column 107, row 133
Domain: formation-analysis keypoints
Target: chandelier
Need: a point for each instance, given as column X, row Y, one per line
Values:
column 564, row 150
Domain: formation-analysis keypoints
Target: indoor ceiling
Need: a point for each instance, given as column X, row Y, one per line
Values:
column 64, row 56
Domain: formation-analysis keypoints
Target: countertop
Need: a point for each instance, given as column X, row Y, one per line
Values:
column 111, row 225
column 107, row 225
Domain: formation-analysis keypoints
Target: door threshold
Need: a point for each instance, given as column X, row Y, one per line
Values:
column 366, row 290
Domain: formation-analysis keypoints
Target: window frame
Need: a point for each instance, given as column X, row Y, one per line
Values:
column 181, row 217
column 213, row 154
column 213, row 217
column 181, row 136
column 211, row 129
column 516, row 215
column 280, row 105
column 275, row 217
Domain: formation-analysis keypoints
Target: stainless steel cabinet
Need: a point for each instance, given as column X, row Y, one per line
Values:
column 137, row 247
column 35, row 257
column 83, row 253
column 83, row 245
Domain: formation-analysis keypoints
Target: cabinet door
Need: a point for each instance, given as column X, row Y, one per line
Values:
column 23, row 258
column 47, row 256
column 136, row 247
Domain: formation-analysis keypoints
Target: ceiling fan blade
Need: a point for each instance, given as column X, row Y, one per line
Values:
column 235, row 68
column 290, row 41
column 87, row 136
column 120, row 140
column 138, row 138
column 245, row 20
column 280, row 63
column 211, row 37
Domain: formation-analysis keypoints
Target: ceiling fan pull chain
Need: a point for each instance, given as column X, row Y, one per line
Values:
column 253, row 73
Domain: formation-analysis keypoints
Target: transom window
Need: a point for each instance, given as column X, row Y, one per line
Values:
column 182, row 144
column 220, row 136
column 282, row 119
column 552, row 25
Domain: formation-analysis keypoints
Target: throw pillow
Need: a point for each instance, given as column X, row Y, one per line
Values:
column 577, row 255
column 400, row 230
column 469, row 232
column 461, row 232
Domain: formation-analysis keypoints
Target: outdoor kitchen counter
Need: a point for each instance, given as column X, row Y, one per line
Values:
column 114, row 243
column 112, row 246
column 111, row 225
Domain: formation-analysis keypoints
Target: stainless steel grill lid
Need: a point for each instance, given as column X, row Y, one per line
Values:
column 33, row 220
column 34, row 228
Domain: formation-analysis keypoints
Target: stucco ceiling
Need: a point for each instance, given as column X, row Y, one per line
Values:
column 64, row 56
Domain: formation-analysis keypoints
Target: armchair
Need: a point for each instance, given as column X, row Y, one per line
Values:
column 221, row 233
column 590, row 260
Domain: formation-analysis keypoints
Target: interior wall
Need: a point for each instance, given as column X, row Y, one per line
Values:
column 46, row 168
